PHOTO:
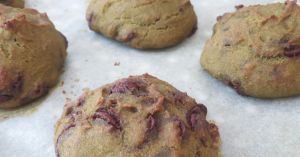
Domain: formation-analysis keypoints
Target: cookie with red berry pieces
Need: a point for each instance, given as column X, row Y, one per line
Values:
column 143, row 24
column 256, row 50
column 32, row 53
column 136, row 117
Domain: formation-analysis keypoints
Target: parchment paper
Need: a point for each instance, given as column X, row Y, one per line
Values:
column 249, row 127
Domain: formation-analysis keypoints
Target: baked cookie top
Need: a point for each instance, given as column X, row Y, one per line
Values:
column 256, row 50
column 14, row 3
column 136, row 117
column 144, row 24
column 32, row 53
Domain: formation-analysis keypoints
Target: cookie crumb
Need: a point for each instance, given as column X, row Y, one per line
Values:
column 117, row 64
column 237, row 7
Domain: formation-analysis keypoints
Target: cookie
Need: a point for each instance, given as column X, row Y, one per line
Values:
column 136, row 117
column 32, row 53
column 14, row 3
column 143, row 24
column 256, row 50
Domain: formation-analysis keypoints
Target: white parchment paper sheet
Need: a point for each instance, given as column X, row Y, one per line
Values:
column 249, row 127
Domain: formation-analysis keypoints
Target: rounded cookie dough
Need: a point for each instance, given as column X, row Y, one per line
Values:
column 32, row 53
column 256, row 50
column 143, row 24
column 135, row 117
column 14, row 3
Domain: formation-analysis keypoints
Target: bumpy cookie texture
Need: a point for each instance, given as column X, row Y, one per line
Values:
column 256, row 50
column 139, row 116
column 143, row 24
column 32, row 53
column 14, row 3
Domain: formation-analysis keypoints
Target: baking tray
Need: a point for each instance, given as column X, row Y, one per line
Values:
column 249, row 127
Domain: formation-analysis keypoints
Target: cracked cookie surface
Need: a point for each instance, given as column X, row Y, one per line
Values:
column 143, row 24
column 32, row 53
column 256, row 50
column 14, row 3
column 139, row 116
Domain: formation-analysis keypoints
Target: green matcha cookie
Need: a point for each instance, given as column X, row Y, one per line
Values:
column 32, row 53
column 139, row 116
column 256, row 50
column 143, row 24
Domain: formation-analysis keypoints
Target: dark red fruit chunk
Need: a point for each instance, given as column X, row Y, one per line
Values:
column 124, row 85
column 12, row 89
column 292, row 51
column 8, row 25
column 196, row 115
column 151, row 130
column 5, row 97
column 150, row 123
column 80, row 101
column 179, row 96
column 194, row 30
column 39, row 91
column 60, row 136
column 109, row 116
column 235, row 85
column 136, row 87
column 129, row 37
column 181, row 127
column 214, row 132
column 149, row 101
column 17, row 85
